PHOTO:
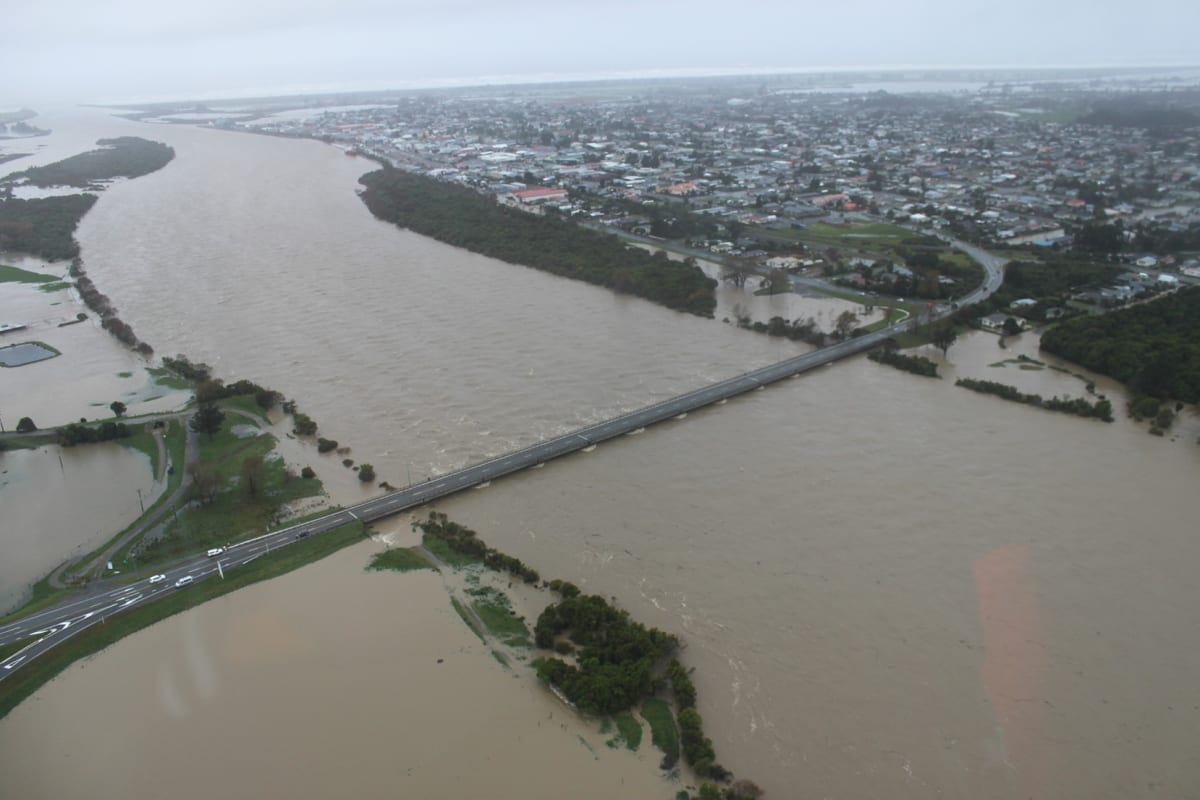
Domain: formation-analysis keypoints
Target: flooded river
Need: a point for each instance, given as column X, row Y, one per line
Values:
column 889, row 586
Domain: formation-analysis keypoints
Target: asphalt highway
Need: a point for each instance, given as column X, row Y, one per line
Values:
column 54, row 625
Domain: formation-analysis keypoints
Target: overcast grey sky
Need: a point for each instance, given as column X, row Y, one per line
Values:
column 80, row 50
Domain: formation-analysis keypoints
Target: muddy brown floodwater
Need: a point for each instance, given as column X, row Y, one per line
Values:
column 63, row 502
column 889, row 586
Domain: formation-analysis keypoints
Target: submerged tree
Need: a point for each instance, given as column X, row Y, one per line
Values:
column 944, row 336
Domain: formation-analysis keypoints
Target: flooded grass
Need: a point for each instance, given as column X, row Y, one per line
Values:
column 495, row 610
column 465, row 617
column 663, row 732
column 244, row 403
column 442, row 550
column 399, row 559
column 168, row 379
column 144, row 442
column 26, row 681
column 629, row 732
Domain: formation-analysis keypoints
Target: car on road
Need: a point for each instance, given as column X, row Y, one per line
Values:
column 157, row 578
column 216, row 551
column 184, row 581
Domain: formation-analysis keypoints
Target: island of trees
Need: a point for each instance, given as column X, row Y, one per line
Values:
column 464, row 218
column 606, row 663
column 1152, row 347
column 123, row 157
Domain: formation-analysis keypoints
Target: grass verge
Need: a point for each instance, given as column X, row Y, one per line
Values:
column 29, row 679
column 9, row 649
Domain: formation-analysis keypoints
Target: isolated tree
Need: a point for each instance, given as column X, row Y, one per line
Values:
column 208, row 419
column 118, row 408
column 25, row 425
column 944, row 336
column 254, row 476
column 205, row 481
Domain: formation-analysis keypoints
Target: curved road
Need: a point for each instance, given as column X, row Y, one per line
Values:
column 54, row 625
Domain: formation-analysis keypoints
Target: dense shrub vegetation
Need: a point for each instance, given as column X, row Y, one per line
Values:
column 1153, row 347
column 617, row 656
column 44, row 227
column 462, row 217
column 75, row 433
column 463, row 540
column 1101, row 409
column 918, row 365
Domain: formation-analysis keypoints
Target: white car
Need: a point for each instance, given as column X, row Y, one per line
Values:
column 157, row 578
column 184, row 581
column 216, row 551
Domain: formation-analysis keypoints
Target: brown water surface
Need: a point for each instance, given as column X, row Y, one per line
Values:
column 61, row 502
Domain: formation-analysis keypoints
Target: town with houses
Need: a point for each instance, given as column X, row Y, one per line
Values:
column 1110, row 171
